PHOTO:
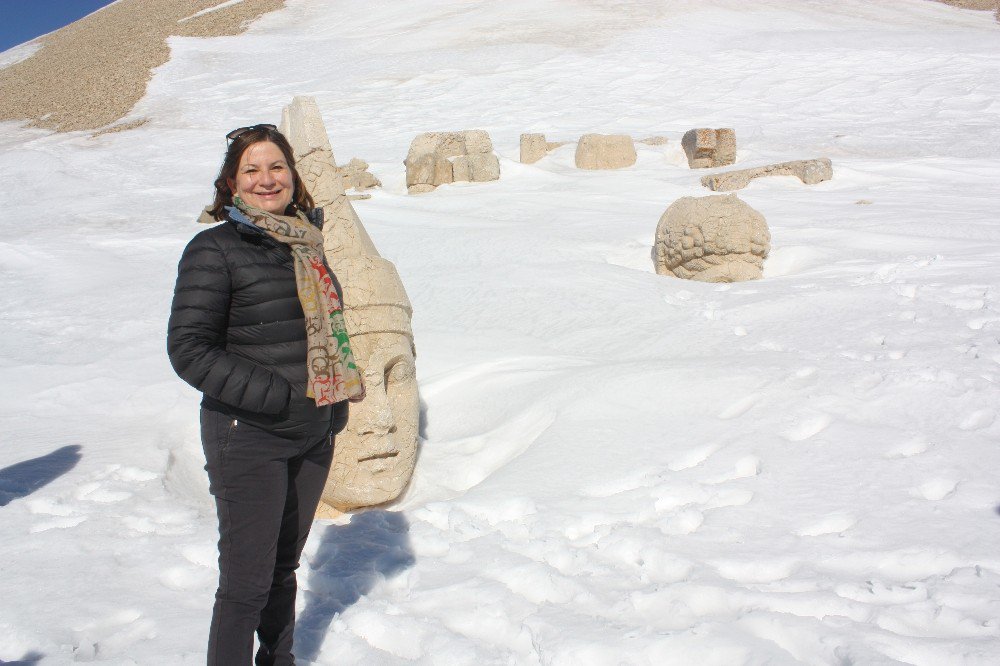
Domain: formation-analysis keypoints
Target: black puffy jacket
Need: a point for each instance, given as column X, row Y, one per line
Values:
column 237, row 332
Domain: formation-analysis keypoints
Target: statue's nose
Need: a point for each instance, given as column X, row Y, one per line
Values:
column 380, row 420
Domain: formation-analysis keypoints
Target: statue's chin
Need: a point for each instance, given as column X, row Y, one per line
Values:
column 377, row 478
column 356, row 498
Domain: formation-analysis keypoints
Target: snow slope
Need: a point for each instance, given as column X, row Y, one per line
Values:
column 617, row 467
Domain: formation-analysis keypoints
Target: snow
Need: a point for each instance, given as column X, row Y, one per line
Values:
column 20, row 52
column 617, row 467
column 215, row 8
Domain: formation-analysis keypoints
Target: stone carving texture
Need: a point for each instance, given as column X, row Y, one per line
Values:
column 809, row 172
column 374, row 456
column 439, row 158
column 717, row 238
column 709, row 147
column 605, row 151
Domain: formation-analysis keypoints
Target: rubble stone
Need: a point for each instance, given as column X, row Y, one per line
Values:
column 809, row 172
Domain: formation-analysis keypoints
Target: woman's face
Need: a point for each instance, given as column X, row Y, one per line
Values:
column 263, row 178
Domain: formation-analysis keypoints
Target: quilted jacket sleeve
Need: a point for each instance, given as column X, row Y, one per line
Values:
column 196, row 336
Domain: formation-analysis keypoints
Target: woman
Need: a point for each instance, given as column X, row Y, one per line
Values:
column 257, row 326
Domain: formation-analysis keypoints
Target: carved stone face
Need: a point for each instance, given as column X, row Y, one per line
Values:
column 373, row 460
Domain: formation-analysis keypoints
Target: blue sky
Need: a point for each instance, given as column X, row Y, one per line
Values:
column 23, row 20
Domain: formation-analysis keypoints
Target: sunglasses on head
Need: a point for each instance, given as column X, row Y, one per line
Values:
column 239, row 131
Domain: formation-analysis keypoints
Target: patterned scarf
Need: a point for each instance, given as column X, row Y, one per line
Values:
column 333, row 373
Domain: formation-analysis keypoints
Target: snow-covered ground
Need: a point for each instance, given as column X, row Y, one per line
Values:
column 618, row 467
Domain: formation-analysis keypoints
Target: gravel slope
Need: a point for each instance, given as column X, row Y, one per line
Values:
column 92, row 72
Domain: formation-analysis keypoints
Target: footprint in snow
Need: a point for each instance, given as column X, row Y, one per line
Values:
column 977, row 420
column 683, row 522
column 969, row 304
column 935, row 489
column 740, row 407
column 745, row 467
column 908, row 448
column 619, row 486
column 110, row 637
column 756, row 571
column 977, row 323
column 692, row 457
column 181, row 579
column 868, row 381
column 807, row 427
column 56, row 524
column 96, row 492
column 836, row 523
column 805, row 372
column 729, row 497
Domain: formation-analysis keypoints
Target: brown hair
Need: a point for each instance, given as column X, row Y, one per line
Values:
column 224, row 195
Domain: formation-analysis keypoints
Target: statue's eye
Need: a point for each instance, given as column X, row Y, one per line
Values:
column 400, row 371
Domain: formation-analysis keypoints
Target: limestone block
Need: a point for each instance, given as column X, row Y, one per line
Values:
column 533, row 148
column 706, row 147
column 443, row 171
column 605, row 151
column 438, row 158
column 478, row 141
column 374, row 456
column 654, row 140
column 717, row 238
column 809, row 172
column 461, row 169
column 485, row 167
column 429, row 169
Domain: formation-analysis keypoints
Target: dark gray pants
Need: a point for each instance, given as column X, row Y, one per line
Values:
column 266, row 491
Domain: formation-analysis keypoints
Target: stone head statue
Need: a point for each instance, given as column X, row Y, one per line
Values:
column 374, row 456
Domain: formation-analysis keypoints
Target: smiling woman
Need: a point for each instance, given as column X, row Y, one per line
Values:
column 257, row 326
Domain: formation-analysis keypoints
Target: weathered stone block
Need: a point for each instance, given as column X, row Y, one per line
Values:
column 605, row 151
column 533, row 148
column 706, row 147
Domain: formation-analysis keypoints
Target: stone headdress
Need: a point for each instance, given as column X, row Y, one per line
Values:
column 374, row 302
column 374, row 298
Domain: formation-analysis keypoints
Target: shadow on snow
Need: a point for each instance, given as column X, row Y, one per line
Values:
column 23, row 478
column 29, row 659
column 350, row 561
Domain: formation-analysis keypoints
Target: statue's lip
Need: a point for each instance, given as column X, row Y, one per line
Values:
column 379, row 456
column 375, row 448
